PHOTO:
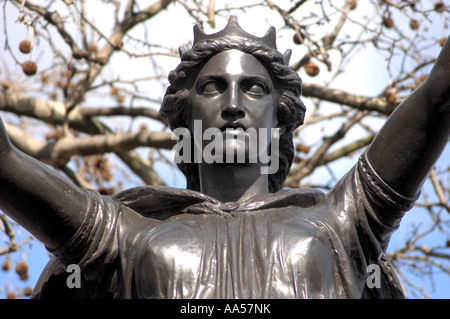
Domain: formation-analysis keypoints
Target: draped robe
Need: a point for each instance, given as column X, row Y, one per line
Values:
column 162, row 242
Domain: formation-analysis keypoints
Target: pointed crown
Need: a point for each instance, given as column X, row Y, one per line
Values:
column 234, row 31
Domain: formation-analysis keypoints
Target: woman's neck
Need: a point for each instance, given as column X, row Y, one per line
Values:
column 232, row 182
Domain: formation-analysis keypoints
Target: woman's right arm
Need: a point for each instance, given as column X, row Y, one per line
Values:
column 46, row 204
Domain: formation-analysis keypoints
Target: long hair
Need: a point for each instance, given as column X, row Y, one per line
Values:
column 175, row 108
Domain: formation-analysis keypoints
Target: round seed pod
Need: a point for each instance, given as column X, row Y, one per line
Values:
column 93, row 47
column 388, row 22
column 297, row 39
column 25, row 46
column 391, row 96
column 21, row 268
column 414, row 24
column 24, row 276
column 11, row 295
column 439, row 7
column 120, row 98
column 6, row 265
column 27, row 291
column 29, row 68
column 312, row 69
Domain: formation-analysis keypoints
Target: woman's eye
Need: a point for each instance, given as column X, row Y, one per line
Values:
column 256, row 88
column 210, row 87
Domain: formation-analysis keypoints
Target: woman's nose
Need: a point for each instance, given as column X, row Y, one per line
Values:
column 233, row 109
column 231, row 114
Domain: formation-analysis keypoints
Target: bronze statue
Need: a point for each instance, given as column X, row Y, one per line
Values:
column 235, row 233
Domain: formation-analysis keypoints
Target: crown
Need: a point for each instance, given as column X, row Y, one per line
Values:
column 234, row 31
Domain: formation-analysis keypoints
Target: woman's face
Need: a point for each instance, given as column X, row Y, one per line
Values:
column 233, row 93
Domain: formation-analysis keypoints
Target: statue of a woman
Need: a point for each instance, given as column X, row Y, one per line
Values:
column 235, row 233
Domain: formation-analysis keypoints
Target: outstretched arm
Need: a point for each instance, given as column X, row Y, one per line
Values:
column 47, row 205
column 414, row 136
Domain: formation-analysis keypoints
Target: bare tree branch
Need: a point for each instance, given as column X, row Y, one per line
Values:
column 439, row 191
column 59, row 152
column 7, row 229
column 300, row 171
column 53, row 113
column 120, row 110
column 377, row 104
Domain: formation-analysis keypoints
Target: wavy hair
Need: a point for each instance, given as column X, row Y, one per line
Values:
column 175, row 108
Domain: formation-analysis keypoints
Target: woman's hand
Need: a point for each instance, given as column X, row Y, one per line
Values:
column 416, row 133
column 38, row 198
column 438, row 81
